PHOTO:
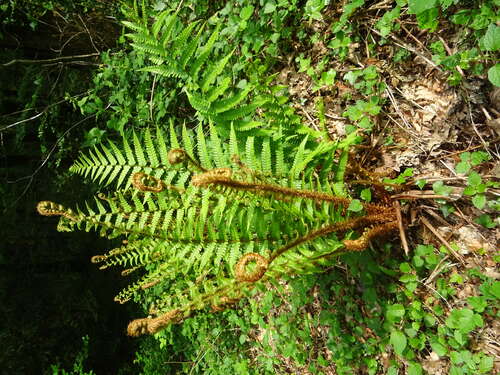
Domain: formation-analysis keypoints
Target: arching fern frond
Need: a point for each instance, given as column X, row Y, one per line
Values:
column 206, row 220
column 108, row 163
column 180, row 51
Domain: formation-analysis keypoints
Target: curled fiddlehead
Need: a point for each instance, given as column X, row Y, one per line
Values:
column 150, row 326
column 241, row 269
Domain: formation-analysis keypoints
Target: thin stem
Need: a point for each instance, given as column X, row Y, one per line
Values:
column 338, row 227
column 43, row 61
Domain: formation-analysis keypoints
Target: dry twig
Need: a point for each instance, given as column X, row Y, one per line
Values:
column 402, row 233
column 402, row 44
column 43, row 61
column 442, row 239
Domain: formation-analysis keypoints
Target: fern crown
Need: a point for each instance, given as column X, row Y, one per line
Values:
column 209, row 222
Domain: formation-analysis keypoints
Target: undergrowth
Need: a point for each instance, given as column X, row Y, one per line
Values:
column 373, row 313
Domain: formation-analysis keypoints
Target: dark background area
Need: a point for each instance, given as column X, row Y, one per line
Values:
column 51, row 295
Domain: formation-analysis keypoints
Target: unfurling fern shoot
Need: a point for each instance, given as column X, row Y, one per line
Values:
column 206, row 224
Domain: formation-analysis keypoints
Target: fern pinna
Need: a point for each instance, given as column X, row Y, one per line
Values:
column 206, row 223
column 180, row 52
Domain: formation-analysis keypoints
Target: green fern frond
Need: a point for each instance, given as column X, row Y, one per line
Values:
column 213, row 72
column 187, row 142
column 233, row 143
column 219, row 156
column 182, row 38
column 165, row 18
column 189, row 50
column 135, row 27
column 165, row 71
column 218, row 90
column 225, row 105
column 211, row 204
column 266, row 162
column 204, row 52
column 178, row 51
column 193, row 206
column 199, row 103
column 238, row 113
column 203, row 154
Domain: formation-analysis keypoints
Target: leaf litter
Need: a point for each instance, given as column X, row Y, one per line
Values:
column 425, row 124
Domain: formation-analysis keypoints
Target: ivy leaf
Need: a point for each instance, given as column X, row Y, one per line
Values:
column 478, row 157
column 463, row 167
column 491, row 40
column 355, row 206
column 495, row 289
column 405, row 267
column 428, row 19
column 460, row 337
column 438, row 348
column 398, row 342
column 474, row 179
column 486, row 365
column 441, row 189
column 366, row 195
column 464, row 320
column 313, row 8
column 478, row 303
column 486, row 221
column 469, row 190
column 386, row 23
column 494, row 74
column 327, row 78
column 479, row 201
column 270, row 7
column 246, row 12
column 414, row 369
column 421, row 183
column 418, row 261
column 395, row 312
column 465, row 156
column 419, row 6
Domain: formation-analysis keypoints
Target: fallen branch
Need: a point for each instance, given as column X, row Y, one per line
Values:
column 44, row 61
column 442, row 239
column 420, row 194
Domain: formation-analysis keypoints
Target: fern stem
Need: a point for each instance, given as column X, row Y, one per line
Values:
column 338, row 227
column 222, row 176
column 216, row 176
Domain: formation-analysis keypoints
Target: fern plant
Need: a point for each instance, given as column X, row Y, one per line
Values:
column 179, row 52
column 206, row 223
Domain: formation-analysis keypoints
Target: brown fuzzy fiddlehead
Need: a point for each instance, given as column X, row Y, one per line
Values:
column 224, row 303
column 362, row 242
column 223, row 177
column 144, row 182
column 150, row 326
column 149, row 284
column 128, row 271
column 48, row 208
column 98, row 258
column 219, row 175
column 178, row 156
column 241, row 272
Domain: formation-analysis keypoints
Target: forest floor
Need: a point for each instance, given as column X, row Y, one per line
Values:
column 440, row 137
